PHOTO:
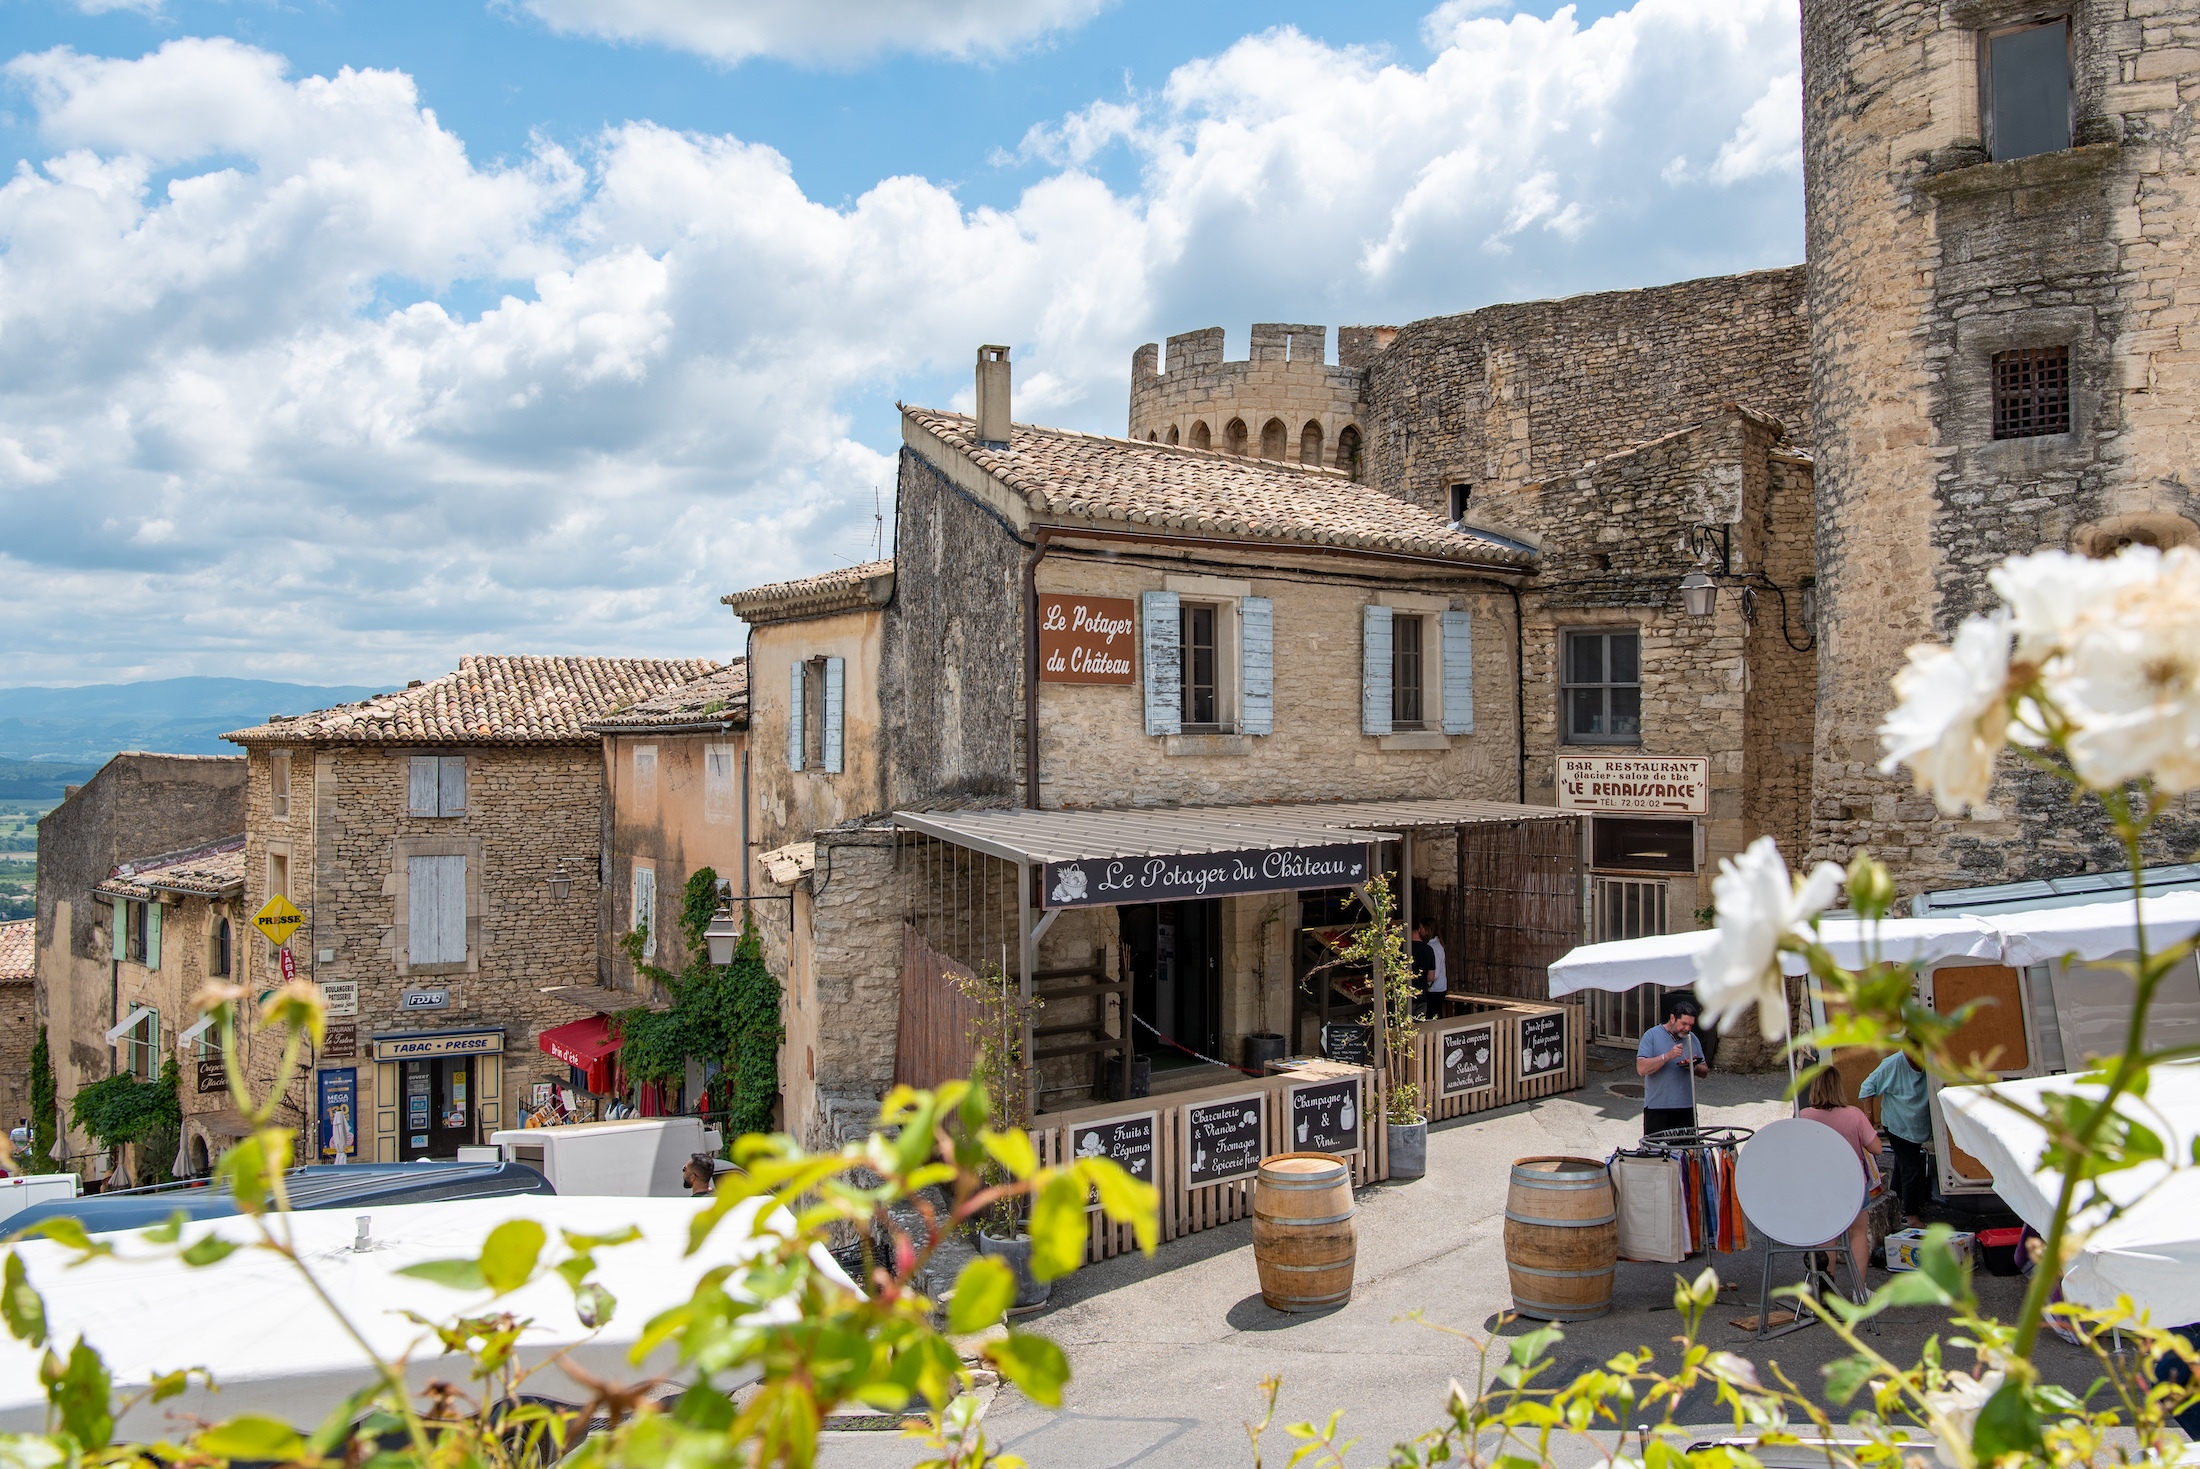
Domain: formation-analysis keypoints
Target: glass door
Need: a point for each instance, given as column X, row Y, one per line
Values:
column 439, row 1100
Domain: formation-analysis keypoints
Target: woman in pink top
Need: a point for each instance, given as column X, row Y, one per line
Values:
column 1828, row 1102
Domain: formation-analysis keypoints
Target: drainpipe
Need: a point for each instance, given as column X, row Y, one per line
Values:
column 1040, row 534
column 1520, row 691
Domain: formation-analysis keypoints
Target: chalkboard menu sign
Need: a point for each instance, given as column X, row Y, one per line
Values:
column 1467, row 1055
column 1542, row 1044
column 1347, row 1044
column 1128, row 1141
column 1325, row 1116
column 1223, row 1139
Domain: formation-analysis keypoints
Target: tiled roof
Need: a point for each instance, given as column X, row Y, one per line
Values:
column 1069, row 477
column 489, row 701
column 210, row 871
column 718, row 698
column 842, row 590
column 18, row 950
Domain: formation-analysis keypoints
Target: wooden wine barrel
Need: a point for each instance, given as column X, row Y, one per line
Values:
column 1561, row 1238
column 1304, row 1242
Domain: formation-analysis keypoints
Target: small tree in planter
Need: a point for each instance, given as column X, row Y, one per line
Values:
column 1000, row 1064
column 1380, row 944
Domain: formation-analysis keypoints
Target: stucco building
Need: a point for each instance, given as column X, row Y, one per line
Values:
column 18, row 1018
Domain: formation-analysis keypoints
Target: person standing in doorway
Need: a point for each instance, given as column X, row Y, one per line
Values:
column 1903, row 1117
column 1424, row 930
column 1668, row 1061
column 1424, row 971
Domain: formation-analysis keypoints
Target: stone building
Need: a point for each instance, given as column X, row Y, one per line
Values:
column 18, row 1018
column 137, row 807
column 445, row 845
column 2002, row 303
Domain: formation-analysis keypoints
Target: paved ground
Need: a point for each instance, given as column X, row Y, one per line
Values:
column 1168, row 1353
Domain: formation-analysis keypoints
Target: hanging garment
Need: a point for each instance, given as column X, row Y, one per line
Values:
column 1653, row 1222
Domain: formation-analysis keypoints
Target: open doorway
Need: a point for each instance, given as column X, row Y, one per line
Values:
column 1176, row 978
column 439, row 1106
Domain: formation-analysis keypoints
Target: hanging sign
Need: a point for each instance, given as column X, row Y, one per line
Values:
column 1325, row 1116
column 278, row 919
column 1100, row 881
column 338, row 1111
column 289, row 964
column 1677, row 785
column 212, row 1076
column 1542, row 1044
column 1466, row 1060
column 1348, row 1043
column 1128, row 1141
column 1222, row 1139
column 1087, row 640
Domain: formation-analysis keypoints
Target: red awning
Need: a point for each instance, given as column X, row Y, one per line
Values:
column 588, row 1044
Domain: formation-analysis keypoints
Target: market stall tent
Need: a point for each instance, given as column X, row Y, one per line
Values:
column 1670, row 959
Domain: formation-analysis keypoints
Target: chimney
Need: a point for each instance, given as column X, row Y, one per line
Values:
column 993, row 397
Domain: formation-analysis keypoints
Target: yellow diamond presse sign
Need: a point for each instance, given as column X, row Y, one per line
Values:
column 278, row 920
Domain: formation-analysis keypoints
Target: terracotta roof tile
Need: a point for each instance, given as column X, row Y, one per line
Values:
column 18, row 950
column 489, row 700
column 1067, row 477
column 844, row 589
column 205, row 871
column 721, row 697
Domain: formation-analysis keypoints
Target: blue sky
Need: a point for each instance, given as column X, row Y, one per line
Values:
column 339, row 338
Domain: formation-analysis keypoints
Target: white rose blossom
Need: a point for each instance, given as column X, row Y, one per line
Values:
column 1953, row 715
column 1759, row 905
column 1958, row 1405
column 2127, row 676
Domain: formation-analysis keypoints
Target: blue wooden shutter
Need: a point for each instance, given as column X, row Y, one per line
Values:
column 451, row 786
column 794, row 715
column 1458, row 673
column 1375, row 670
column 1164, row 663
column 836, row 676
column 1257, row 665
column 421, row 785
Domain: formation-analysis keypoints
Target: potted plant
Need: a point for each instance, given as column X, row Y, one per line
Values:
column 1000, row 1065
column 1381, row 945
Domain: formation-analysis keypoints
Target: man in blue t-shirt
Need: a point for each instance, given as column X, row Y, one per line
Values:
column 1905, row 1117
column 1668, row 1059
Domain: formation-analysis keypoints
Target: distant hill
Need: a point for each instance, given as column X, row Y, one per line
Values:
column 174, row 716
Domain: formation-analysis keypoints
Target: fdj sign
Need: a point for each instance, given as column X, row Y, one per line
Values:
column 1097, row 881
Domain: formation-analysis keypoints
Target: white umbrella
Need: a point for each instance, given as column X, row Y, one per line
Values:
column 2150, row 1250
column 274, row 1348
column 2094, row 931
column 1670, row 959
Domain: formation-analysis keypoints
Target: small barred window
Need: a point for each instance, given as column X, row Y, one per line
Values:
column 2031, row 392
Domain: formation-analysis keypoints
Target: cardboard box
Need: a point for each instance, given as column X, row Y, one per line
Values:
column 1903, row 1245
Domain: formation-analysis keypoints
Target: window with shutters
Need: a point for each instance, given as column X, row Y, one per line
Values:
column 436, row 785
column 1417, row 669
column 1406, row 667
column 435, row 927
column 816, row 713
column 141, row 1048
column 644, row 920
column 132, row 917
column 813, row 714
column 1602, row 687
column 2024, row 86
column 278, row 784
column 721, row 789
column 1200, row 710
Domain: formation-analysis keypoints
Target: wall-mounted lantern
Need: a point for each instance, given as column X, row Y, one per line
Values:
column 1699, row 593
column 561, row 886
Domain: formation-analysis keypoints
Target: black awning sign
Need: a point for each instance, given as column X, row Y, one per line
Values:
column 1095, row 882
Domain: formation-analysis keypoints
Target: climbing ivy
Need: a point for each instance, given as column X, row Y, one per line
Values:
column 121, row 1109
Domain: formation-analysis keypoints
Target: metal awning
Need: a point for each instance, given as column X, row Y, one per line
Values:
column 129, row 1023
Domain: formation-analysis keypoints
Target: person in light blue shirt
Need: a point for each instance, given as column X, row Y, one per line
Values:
column 1668, row 1059
column 1903, row 1117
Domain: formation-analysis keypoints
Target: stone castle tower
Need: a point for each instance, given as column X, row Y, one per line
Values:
column 1285, row 401
column 2004, row 313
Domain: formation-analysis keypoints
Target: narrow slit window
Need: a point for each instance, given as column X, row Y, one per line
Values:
column 1406, row 665
column 2031, row 392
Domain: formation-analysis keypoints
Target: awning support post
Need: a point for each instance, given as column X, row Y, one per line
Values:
column 1026, row 942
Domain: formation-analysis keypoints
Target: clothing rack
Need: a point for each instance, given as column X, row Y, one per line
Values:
column 1705, row 1158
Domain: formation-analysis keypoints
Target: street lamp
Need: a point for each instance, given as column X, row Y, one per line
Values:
column 1699, row 593
column 560, row 884
column 721, row 936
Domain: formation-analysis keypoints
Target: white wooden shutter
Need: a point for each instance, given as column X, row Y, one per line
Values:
column 423, row 785
column 794, row 715
column 152, row 934
column 451, row 786
column 836, row 677
column 1458, row 672
column 1375, row 670
column 1164, row 633
column 1257, row 665
column 718, row 791
column 645, row 908
column 436, row 910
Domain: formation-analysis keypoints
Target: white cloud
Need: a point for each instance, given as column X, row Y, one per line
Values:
column 101, row 7
column 831, row 31
column 241, row 431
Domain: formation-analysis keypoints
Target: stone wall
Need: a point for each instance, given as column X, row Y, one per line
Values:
column 1925, row 261
column 663, row 816
column 789, row 803
column 1284, row 401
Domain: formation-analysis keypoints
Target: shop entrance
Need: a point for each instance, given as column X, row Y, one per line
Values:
column 1175, row 952
column 439, row 1100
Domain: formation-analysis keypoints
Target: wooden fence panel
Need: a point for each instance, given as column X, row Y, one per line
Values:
column 1519, row 905
column 932, row 1033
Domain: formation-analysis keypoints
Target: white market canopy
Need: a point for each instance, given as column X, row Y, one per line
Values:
column 2093, row 931
column 275, row 1349
column 2151, row 1250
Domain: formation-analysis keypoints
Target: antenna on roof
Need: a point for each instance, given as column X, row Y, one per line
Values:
column 878, row 525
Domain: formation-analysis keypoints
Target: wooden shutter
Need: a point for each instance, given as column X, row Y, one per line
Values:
column 436, row 910
column 1375, row 670
column 451, row 786
column 1458, row 673
column 425, row 778
column 718, row 790
column 1164, row 634
column 836, row 676
column 794, row 715
column 152, row 934
column 1257, row 665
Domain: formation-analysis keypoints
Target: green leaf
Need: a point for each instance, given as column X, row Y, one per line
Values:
column 24, row 1311
column 2007, row 1424
column 1936, row 1258
column 1846, row 1377
column 594, row 1305
column 1058, row 1227
column 508, row 1256
column 1013, row 1151
column 168, row 1231
column 451, row 1274
column 1125, row 1200
column 983, row 1293
column 583, row 1243
column 63, row 1230
column 336, row 1429
column 1910, row 1288
column 252, row 1437
column 1034, row 1364
column 212, row 1249
column 81, row 1392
